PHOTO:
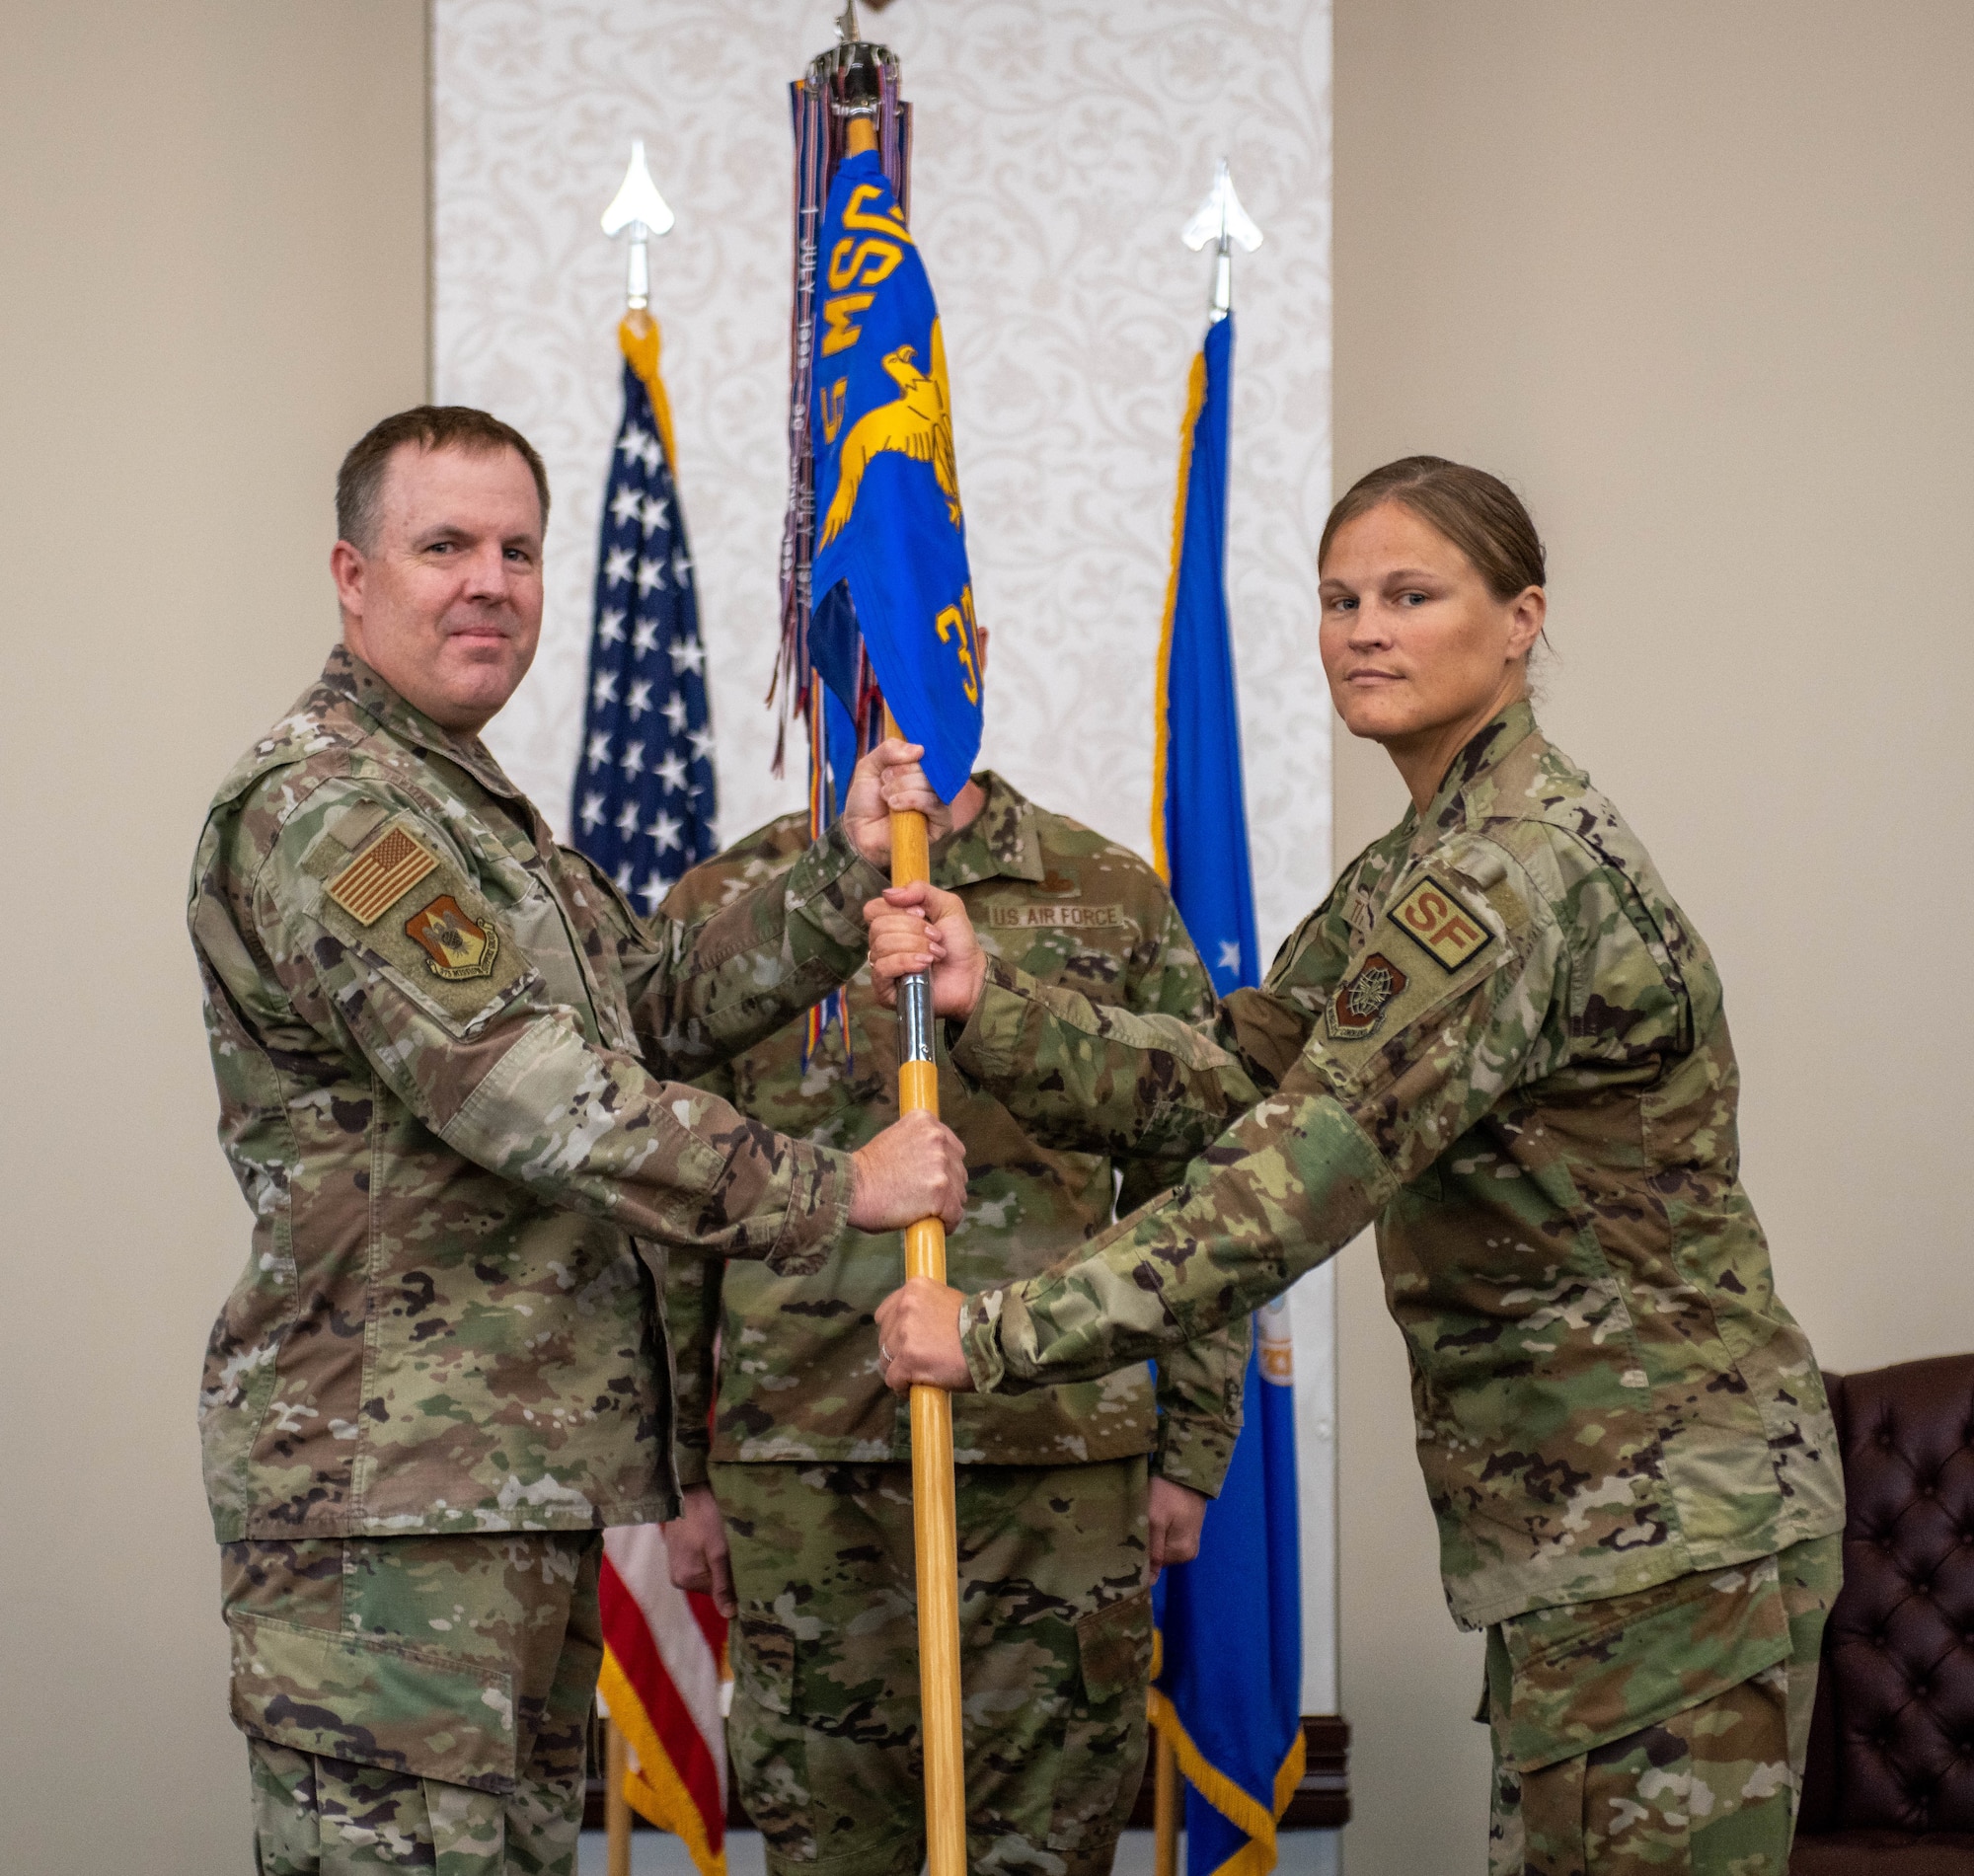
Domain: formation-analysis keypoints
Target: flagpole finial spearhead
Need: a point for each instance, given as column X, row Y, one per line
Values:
column 1222, row 220
column 638, row 207
column 848, row 31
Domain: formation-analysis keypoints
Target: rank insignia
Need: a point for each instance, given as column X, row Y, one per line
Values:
column 1435, row 920
column 1358, row 1006
column 454, row 945
column 379, row 876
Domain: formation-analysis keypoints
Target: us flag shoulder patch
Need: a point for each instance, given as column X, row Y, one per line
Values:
column 379, row 876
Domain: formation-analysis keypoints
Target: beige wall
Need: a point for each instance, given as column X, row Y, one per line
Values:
column 1700, row 280
column 212, row 218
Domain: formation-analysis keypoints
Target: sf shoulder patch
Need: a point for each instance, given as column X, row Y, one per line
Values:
column 380, row 876
column 1433, row 918
column 1358, row 1005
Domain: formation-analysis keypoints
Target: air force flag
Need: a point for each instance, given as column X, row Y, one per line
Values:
column 1229, row 1691
column 890, row 523
column 1199, row 820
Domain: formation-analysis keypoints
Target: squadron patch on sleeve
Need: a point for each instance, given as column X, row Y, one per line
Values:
column 1358, row 1005
column 440, row 938
column 379, row 876
column 1435, row 920
column 456, row 947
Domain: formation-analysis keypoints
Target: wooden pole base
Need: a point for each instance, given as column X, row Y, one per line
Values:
column 1166, row 1790
column 616, row 1806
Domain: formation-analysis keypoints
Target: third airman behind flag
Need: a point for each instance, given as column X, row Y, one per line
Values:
column 889, row 522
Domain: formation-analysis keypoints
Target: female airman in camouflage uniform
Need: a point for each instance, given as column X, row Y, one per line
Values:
column 1502, row 1040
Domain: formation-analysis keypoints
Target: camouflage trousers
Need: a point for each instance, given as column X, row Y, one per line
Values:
column 416, row 1702
column 1660, row 1732
column 1055, row 1643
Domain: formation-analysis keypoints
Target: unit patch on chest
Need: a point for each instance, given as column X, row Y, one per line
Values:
column 455, row 946
column 379, row 876
column 1433, row 918
column 1358, row 1005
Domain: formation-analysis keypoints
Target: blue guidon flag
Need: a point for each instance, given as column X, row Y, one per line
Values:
column 890, row 536
column 1229, row 1691
column 643, row 799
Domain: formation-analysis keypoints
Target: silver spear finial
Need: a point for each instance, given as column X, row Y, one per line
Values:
column 847, row 31
column 639, row 208
column 1221, row 219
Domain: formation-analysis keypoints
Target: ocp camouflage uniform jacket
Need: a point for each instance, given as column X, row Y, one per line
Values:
column 427, row 1022
column 798, row 1376
column 1502, row 1039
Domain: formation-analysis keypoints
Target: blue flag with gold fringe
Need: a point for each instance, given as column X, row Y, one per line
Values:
column 1199, row 820
column 890, row 536
column 1229, row 1691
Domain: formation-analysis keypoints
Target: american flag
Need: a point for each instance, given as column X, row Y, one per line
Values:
column 667, row 1686
column 643, row 801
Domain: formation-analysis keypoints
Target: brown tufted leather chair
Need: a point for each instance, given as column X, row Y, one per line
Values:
column 1888, row 1789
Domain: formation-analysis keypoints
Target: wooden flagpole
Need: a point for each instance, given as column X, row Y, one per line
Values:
column 1166, row 1790
column 616, row 1805
column 934, row 1511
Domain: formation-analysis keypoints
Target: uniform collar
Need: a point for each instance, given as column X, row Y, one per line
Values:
column 1486, row 749
column 1002, row 842
column 349, row 676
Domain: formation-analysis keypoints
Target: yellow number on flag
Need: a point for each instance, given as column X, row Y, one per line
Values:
column 955, row 623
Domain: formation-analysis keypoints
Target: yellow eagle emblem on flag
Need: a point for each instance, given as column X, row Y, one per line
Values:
column 917, row 423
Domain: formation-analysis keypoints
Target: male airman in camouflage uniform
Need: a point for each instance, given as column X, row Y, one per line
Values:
column 808, row 1452
column 443, row 1369
column 1502, row 1040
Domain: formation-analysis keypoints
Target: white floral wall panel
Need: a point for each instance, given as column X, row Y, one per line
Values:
column 1059, row 149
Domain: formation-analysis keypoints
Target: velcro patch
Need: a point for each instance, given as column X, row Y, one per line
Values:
column 1358, row 1005
column 1433, row 918
column 456, row 947
column 379, row 876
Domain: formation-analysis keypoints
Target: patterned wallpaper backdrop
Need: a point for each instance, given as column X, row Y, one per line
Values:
column 1059, row 149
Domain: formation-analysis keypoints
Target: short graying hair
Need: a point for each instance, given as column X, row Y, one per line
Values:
column 360, row 480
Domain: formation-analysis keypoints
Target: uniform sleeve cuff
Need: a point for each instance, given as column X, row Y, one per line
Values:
column 979, row 1340
column 986, row 1046
column 830, row 886
column 690, row 1463
column 817, row 1212
column 1194, row 1452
